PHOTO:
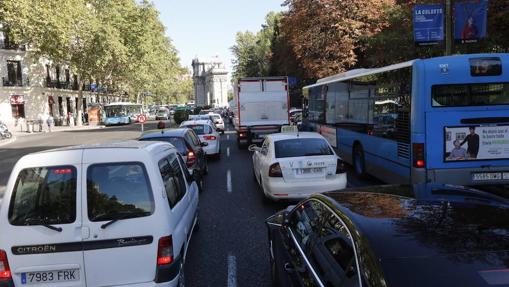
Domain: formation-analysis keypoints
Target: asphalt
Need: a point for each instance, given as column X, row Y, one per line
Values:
column 230, row 248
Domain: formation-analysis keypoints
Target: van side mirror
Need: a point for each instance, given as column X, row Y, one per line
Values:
column 254, row 148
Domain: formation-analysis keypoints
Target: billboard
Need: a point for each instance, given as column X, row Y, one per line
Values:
column 470, row 20
column 428, row 24
column 476, row 143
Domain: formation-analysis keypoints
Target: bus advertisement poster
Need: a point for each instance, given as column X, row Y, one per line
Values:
column 470, row 21
column 476, row 143
column 428, row 24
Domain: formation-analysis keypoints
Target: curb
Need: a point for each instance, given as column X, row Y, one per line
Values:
column 9, row 141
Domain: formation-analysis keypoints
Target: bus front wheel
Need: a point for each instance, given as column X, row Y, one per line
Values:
column 358, row 161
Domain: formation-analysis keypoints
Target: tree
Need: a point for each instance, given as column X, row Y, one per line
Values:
column 252, row 52
column 119, row 43
column 326, row 35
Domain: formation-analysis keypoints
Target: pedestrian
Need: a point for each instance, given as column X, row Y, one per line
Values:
column 85, row 116
column 50, row 123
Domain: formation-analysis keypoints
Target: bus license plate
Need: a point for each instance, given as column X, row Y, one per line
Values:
column 487, row 176
column 29, row 278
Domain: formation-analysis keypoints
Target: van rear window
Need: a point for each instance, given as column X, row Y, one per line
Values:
column 44, row 195
column 118, row 191
column 470, row 95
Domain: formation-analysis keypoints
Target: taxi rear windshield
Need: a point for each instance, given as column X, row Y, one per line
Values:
column 44, row 195
column 301, row 147
column 470, row 95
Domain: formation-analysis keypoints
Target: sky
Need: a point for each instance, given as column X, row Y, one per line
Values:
column 206, row 28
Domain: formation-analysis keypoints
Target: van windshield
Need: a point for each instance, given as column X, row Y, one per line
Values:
column 118, row 191
column 44, row 195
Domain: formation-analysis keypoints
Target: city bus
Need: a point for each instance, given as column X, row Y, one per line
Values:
column 121, row 113
column 439, row 120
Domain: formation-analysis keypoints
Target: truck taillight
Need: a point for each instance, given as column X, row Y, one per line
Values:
column 275, row 170
column 418, row 155
column 5, row 271
column 340, row 167
column 165, row 251
column 191, row 159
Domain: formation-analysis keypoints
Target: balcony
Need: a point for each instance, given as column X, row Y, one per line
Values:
column 9, row 82
column 56, row 84
column 5, row 44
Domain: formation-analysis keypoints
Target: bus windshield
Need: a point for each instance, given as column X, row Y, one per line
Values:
column 470, row 95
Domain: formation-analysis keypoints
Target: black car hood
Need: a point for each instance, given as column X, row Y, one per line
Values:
column 427, row 221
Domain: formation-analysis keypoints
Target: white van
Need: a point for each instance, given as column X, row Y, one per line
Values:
column 118, row 214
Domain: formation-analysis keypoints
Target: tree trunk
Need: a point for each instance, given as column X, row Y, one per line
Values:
column 79, row 118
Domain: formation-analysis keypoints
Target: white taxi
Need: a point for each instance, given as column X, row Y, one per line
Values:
column 294, row 165
column 206, row 132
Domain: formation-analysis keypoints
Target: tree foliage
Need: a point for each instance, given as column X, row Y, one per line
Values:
column 314, row 39
column 120, row 44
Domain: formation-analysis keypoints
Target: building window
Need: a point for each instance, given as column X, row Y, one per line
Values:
column 13, row 74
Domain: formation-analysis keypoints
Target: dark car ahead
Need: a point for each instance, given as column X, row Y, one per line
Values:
column 189, row 146
column 396, row 236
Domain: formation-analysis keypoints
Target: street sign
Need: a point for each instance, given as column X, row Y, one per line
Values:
column 142, row 119
column 428, row 24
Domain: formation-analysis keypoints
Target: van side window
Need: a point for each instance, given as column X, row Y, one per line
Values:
column 179, row 176
column 173, row 178
column 44, row 195
column 170, row 185
column 184, row 167
column 118, row 191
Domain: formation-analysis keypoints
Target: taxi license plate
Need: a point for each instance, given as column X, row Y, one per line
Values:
column 30, row 278
column 490, row 176
column 309, row 170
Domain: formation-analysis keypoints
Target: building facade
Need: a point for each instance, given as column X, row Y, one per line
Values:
column 210, row 82
column 32, row 87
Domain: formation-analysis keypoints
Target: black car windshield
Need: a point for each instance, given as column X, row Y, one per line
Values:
column 44, row 195
column 177, row 142
column 302, row 147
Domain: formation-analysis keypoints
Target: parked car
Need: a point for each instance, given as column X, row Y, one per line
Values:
column 163, row 114
column 207, row 133
column 188, row 145
column 94, row 215
column 399, row 236
column 292, row 165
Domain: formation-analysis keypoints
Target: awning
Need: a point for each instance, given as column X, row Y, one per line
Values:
column 17, row 99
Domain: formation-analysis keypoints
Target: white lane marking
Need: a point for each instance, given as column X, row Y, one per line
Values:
column 228, row 151
column 227, row 137
column 232, row 271
column 229, row 181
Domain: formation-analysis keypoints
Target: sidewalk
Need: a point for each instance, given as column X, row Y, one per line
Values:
column 17, row 133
